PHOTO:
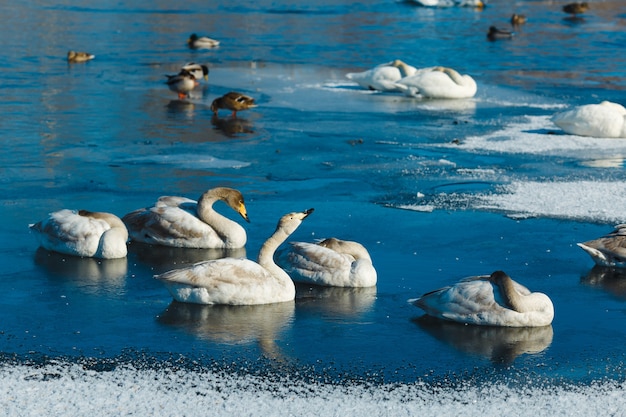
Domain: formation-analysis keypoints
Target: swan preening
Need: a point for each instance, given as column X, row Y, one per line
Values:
column 83, row 233
column 238, row 281
column 490, row 300
column 330, row 262
column 604, row 120
column 431, row 82
column 609, row 250
column 185, row 223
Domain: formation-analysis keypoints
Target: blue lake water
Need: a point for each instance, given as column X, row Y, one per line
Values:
column 435, row 189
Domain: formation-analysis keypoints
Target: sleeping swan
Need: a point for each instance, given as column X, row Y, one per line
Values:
column 331, row 262
column 383, row 77
column 489, row 300
column 238, row 281
column 83, row 233
column 604, row 120
column 609, row 250
column 185, row 223
column 438, row 82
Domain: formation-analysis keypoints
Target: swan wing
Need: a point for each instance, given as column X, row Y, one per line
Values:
column 309, row 262
column 604, row 120
column 381, row 78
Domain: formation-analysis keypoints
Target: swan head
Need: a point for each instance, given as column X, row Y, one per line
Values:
column 290, row 222
column 230, row 196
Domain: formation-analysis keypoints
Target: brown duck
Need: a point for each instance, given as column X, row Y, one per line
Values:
column 232, row 101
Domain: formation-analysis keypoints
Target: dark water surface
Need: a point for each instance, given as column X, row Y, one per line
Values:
column 434, row 189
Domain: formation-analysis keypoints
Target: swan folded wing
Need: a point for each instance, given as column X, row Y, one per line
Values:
column 175, row 201
column 235, row 281
column 319, row 265
column 604, row 120
column 67, row 229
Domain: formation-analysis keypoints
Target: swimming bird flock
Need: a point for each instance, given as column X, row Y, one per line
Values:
column 175, row 221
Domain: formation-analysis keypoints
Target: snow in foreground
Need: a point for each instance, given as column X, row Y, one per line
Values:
column 69, row 389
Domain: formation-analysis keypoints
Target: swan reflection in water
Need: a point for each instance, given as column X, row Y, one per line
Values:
column 612, row 280
column 165, row 258
column 498, row 344
column 227, row 324
column 89, row 274
column 335, row 301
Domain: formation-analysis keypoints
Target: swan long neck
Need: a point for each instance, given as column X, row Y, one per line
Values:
column 402, row 67
column 512, row 298
column 221, row 224
column 266, row 254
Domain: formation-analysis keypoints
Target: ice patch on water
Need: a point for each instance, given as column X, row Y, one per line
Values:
column 70, row 389
column 537, row 135
column 189, row 161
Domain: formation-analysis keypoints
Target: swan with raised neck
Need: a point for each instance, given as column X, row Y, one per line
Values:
column 182, row 222
column 238, row 281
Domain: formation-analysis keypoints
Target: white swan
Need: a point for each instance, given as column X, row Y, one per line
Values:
column 604, row 120
column 238, row 281
column 331, row 262
column 185, row 223
column 383, row 77
column 491, row 300
column 83, row 233
column 609, row 250
column 438, row 82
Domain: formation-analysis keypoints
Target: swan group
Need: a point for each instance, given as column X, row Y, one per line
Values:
column 488, row 300
column 603, row 120
column 432, row 82
column 238, row 281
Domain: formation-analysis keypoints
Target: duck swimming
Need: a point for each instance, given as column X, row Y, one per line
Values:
column 488, row 300
column 184, row 223
column 609, row 250
column 576, row 8
column 73, row 56
column 495, row 34
column 201, row 42
column 604, row 120
column 383, row 77
column 83, row 233
column 232, row 101
column 238, row 281
column 438, row 82
column 330, row 262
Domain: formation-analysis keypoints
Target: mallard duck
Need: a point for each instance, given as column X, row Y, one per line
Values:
column 182, row 83
column 576, row 8
column 330, row 262
column 518, row 19
column 199, row 71
column 489, row 300
column 73, row 56
column 83, row 233
column 185, row 223
column 201, row 42
column 383, row 77
column 604, row 120
column 238, row 281
column 232, row 101
column 495, row 34
column 609, row 250
column 438, row 82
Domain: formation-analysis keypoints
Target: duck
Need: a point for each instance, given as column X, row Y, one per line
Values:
column 73, row 56
column 518, row 19
column 182, row 83
column 201, row 42
column 576, row 8
column 233, row 101
column 488, row 300
column 383, row 77
column 603, row 120
column 184, row 223
column 331, row 262
column 495, row 34
column 83, row 233
column 609, row 250
column 438, row 82
column 238, row 281
column 199, row 71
